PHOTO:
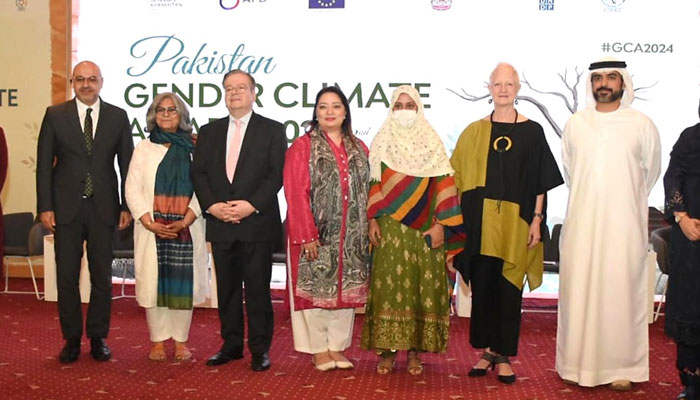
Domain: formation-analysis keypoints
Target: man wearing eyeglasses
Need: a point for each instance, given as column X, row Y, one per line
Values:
column 78, row 198
column 237, row 172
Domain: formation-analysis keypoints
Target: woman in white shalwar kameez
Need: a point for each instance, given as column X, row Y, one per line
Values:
column 164, row 322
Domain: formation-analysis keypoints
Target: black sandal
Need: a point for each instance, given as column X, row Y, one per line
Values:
column 476, row 372
column 507, row 379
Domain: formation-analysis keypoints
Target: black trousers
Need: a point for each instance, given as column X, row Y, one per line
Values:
column 250, row 263
column 496, row 307
column 68, row 242
column 688, row 357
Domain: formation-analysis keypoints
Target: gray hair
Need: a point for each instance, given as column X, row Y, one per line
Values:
column 182, row 111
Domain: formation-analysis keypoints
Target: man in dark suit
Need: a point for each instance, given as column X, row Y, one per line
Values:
column 78, row 199
column 237, row 172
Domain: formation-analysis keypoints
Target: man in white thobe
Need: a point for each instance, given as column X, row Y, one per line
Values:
column 611, row 156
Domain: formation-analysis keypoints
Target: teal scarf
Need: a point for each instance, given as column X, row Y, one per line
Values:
column 173, row 193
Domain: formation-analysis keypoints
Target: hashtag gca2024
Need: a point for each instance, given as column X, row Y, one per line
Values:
column 633, row 47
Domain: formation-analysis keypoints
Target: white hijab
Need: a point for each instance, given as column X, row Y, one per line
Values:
column 628, row 95
column 415, row 150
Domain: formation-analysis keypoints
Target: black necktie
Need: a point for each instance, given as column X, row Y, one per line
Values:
column 87, row 132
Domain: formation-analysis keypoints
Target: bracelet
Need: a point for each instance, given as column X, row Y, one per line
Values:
column 184, row 224
column 538, row 215
column 148, row 224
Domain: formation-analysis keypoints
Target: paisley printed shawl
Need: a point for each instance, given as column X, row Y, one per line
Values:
column 320, row 283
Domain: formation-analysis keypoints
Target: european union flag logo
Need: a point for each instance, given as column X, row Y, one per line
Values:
column 326, row 3
column 546, row 5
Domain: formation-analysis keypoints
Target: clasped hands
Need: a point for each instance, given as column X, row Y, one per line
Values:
column 166, row 231
column 690, row 227
column 232, row 211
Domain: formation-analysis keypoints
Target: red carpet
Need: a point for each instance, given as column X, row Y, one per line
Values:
column 30, row 340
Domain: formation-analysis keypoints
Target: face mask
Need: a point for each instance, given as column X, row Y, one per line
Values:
column 405, row 118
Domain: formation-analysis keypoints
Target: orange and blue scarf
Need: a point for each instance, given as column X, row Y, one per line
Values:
column 173, row 192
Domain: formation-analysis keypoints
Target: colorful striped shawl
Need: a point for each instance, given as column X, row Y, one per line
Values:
column 173, row 191
column 416, row 202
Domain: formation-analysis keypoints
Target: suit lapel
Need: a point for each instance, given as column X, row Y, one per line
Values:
column 74, row 124
column 219, row 142
column 102, row 125
column 248, row 142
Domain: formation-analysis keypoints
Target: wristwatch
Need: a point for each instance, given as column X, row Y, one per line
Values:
column 678, row 218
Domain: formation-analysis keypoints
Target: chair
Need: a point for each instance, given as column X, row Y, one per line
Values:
column 551, row 249
column 656, row 220
column 123, row 254
column 24, row 239
column 660, row 241
column 279, row 256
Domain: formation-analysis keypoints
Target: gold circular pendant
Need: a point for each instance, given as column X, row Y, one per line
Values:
column 503, row 146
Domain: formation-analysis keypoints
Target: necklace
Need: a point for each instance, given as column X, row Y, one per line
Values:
column 503, row 143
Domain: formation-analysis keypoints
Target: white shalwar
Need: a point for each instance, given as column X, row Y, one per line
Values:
column 611, row 162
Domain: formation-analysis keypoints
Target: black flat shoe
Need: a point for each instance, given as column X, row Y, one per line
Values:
column 688, row 394
column 70, row 352
column 222, row 357
column 260, row 362
column 692, row 384
column 476, row 372
column 99, row 350
column 507, row 379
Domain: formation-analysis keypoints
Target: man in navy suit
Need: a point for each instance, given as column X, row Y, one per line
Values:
column 237, row 172
column 78, row 199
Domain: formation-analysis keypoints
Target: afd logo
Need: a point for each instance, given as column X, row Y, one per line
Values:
column 231, row 4
column 546, row 5
column 326, row 3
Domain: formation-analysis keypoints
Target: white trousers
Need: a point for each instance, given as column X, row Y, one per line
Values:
column 319, row 330
column 164, row 323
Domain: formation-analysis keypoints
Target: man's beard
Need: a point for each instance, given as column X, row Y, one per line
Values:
column 611, row 98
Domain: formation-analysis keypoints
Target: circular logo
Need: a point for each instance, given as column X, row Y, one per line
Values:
column 613, row 3
column 221, row 3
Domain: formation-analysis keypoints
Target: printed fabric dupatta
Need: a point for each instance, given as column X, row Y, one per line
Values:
column 173, row 192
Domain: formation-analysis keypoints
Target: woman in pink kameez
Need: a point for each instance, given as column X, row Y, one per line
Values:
column 326, row 183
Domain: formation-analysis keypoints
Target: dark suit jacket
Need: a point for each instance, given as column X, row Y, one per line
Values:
column 59, row 187
column 258, row 178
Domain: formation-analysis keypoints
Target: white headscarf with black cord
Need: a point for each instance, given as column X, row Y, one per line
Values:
column 605, row 66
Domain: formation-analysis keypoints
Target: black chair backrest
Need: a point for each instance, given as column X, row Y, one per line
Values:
column 280, row 253
column 17, row 226
column 656, row 220
column 660, row 239
column 123, row 242
column 551, row 243
column 36, row 239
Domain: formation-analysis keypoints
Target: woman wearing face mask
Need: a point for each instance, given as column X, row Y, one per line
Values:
column 415, row 226
column 326, row 181
column 503, row 168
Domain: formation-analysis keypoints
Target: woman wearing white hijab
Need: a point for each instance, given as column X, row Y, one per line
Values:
column 415, row 227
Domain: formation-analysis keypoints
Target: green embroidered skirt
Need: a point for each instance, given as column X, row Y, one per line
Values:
column 408, row 303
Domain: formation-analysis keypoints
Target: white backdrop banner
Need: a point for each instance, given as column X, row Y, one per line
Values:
column 446, row 49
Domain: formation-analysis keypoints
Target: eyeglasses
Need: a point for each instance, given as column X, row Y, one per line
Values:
column 163, row 111
column 91, row 80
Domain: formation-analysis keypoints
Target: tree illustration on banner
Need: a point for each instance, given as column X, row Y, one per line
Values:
column 569, row 96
